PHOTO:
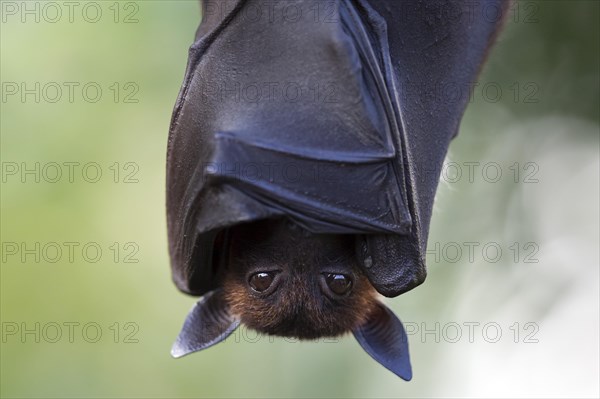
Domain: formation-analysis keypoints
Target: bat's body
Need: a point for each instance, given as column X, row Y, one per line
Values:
column 304, row 158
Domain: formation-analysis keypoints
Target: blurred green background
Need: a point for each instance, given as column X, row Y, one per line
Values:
column 533, row 309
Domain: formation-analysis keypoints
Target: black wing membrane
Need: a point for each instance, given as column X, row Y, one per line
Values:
column 340, row 125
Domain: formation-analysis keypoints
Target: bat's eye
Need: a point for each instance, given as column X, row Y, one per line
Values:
column 261, row 281
column 338, row 283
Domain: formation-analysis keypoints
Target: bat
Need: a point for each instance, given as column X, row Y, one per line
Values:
column 303, row 159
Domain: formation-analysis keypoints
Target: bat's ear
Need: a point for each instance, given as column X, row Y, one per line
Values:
column 207, row 324
column 383, row 337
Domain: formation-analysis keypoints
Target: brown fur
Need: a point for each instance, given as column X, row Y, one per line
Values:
column 301, row 305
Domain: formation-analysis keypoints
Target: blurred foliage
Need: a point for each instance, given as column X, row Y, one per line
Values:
column 557, row 52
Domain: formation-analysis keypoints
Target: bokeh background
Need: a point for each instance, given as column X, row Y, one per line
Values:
column 516, row 316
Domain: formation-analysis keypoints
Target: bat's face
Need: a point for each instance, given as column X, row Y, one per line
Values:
column 285, row 281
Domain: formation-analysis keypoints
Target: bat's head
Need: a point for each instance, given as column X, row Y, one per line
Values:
column 280, row 279
column 283, row 280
